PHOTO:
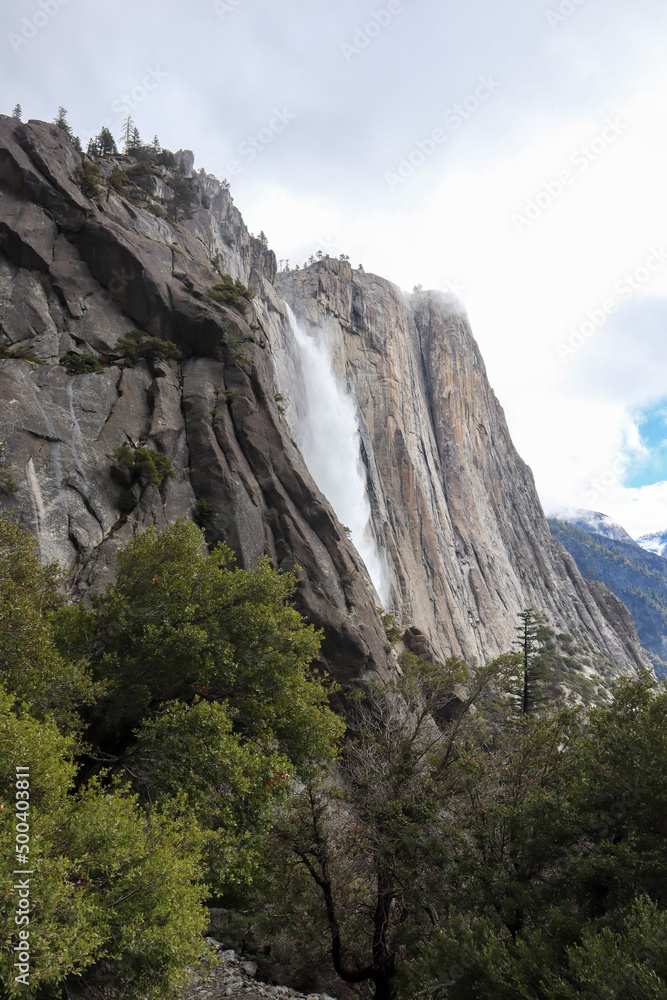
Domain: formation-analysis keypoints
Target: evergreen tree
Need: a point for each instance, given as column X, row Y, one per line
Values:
column 17, row 113
column 135, row 141
column 181, row 205
column 61, row 121
column 529, row 642
column 106, row 144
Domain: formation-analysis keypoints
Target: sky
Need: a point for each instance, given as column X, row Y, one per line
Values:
column 511, row 151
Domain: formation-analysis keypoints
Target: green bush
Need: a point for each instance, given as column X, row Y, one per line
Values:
column 137, row 345
column 203, row 510
column 8, row 484
column 30, row 665
column 127, row 502
column 80, row 364
column 18, row 354
column 393, row 631
column 151, row 466
column 178, row 620
column 232, row 292
column 111, row 880
column 87, row 177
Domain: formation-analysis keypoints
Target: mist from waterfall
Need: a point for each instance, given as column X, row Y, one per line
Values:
column 325, row 424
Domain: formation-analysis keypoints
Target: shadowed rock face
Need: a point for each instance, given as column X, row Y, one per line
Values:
column 453, row 506
column 77, row 275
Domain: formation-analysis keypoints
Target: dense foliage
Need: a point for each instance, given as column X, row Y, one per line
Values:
column 495, row 856
column 159, row 726
column 471, row 841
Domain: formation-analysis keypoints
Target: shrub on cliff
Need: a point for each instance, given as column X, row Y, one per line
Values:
column 87, row 177
column 8, row 484
column 232, row 292
column 143, row 464
column 137, row 345
column 80, row 364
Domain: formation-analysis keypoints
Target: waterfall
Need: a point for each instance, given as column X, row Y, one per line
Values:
column 324, row 420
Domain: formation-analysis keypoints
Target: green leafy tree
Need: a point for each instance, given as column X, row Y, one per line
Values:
column 31, row 666
column 111, row 882
column 88, row 176
column 178, row 619
column 183, row 196
column 134, row 142
column 533, row 673
column 103, row 144
column 61, row 121
column 558, row 878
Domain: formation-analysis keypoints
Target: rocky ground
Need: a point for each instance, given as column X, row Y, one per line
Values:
column 231, row 975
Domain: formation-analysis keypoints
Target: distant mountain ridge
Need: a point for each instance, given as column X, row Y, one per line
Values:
column 656, row 543
column 635, row 573
column 594, row 522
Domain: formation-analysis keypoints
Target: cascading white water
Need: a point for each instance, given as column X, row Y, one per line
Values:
column 325, row 425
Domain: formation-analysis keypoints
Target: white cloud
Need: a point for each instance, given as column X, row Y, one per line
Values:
column 527, row 291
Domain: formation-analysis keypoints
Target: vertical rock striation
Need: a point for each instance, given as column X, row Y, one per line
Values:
column 453, row 507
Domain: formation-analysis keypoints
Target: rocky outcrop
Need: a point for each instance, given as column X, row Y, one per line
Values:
column 454, row 509
column 231, row 975
column 76, row 274
column 453, row 505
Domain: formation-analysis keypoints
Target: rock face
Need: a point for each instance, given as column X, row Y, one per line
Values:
column 77, row 274
column 453, row 507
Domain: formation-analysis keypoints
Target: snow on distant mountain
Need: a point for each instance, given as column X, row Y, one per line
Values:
column 655, row 543
column 596, row 523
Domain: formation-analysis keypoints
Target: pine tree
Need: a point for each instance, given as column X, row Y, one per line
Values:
column 17, row 113
column 61, row 121
column 106, row 144
column 135, row 140
column 529, row 642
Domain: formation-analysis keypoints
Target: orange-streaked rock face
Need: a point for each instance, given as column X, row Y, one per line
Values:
column 454, row 506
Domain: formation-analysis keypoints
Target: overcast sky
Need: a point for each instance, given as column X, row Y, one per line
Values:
column 514, row 151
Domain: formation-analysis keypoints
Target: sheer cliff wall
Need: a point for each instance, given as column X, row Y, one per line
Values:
column 454, row 508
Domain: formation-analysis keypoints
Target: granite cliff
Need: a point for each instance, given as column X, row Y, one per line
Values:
column 454, row 511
